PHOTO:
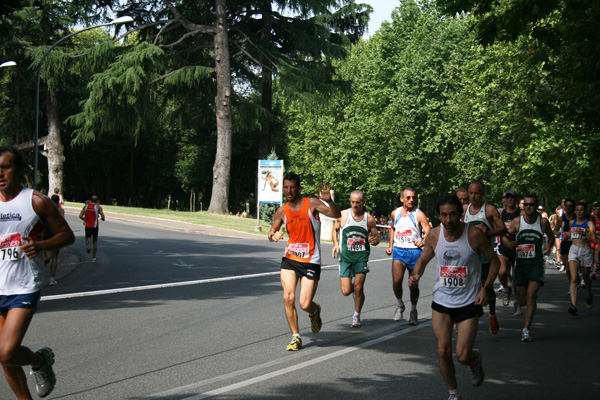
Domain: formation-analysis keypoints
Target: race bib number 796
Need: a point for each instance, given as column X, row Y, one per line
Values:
column 10, row 246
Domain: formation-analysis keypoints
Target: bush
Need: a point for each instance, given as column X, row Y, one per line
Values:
column 267, row 212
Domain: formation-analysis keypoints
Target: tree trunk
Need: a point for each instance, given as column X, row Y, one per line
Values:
column 264, row 138
column 53, row 149
column 219, row 200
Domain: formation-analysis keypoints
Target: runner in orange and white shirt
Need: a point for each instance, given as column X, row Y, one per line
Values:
column 302, row 258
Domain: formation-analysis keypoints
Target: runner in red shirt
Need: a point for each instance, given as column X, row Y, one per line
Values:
column 89, row 215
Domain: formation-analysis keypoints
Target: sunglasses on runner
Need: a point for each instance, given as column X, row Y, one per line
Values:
column 529, row 204
column 509, row 196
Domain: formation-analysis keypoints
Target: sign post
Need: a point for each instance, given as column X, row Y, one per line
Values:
column 270, row 176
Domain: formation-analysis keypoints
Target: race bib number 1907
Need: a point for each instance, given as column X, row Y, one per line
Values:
column 301, row 250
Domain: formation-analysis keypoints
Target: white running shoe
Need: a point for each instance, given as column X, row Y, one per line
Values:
column 53, row 281
column 526, row 337
column 355, row 321
column 399, row 313
column 477, row 372
column 517, row 309
column 45, row 380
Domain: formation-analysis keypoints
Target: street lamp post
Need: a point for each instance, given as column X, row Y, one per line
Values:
column 120, row 20
column 8, row 64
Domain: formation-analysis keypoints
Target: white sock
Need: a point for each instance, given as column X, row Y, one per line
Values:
column 400, row 302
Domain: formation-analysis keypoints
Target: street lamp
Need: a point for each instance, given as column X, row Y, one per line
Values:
column 120, row 20
column 8, row 64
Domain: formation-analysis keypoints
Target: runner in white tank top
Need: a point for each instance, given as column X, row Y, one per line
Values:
column 22, row 212
column 457, row 297
column 409, row 228
column 485, row 217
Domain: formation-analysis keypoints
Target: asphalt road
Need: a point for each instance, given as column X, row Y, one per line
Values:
column 169, row 315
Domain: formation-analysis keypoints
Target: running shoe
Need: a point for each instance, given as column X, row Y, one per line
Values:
column 477, row 372
column 94, row 259
column 562, row 268
column 582, row 284
column 517, row 309
column 572, row 310
column 525, row 337
column 399, row 313
column 52, row 281
column 295, row 344
column 594, row 275
column 455, row 397
column 355, row 321
column 506, row 297
column 494, row 326
column 315, row 319
column 413, row 318
column 45, row 380
column 589, row 302
column 88, row 247
column 502, row 289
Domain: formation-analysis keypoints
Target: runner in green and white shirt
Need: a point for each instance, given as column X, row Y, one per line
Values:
column 357, row 231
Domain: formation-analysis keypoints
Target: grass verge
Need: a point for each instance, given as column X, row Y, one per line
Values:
column 200, row 217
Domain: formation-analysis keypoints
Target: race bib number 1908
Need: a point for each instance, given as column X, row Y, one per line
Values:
column 453, row 276
column 10, row 246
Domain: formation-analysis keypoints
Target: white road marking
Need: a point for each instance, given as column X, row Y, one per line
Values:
column 261, row 378
column 175, row 284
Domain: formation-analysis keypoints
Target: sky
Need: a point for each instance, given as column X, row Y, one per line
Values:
column 382, row 11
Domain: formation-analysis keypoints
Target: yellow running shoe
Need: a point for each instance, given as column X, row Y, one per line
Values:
column 315, row 319
column 295, row 344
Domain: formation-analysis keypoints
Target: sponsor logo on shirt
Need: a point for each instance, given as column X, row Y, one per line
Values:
column 10, row 217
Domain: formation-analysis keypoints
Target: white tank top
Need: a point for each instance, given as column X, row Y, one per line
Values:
column 479, row 216
column 458, row 274
column 406, row 229
column 19, row 274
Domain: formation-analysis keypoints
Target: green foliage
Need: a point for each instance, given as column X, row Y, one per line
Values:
column 267, row 212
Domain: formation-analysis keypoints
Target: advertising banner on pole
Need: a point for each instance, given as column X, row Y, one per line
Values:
column 270, row 175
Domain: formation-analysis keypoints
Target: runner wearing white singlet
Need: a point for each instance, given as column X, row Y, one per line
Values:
column 409, row 228
column 458, row 296
column 485, row 217
column 24, row 215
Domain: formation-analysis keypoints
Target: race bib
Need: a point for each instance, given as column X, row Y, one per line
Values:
column 10, row 247
column 577, row 233
column 301, row 250
column 453, row 277
column 405, row 236
column 356, row 244
column 526, row 251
